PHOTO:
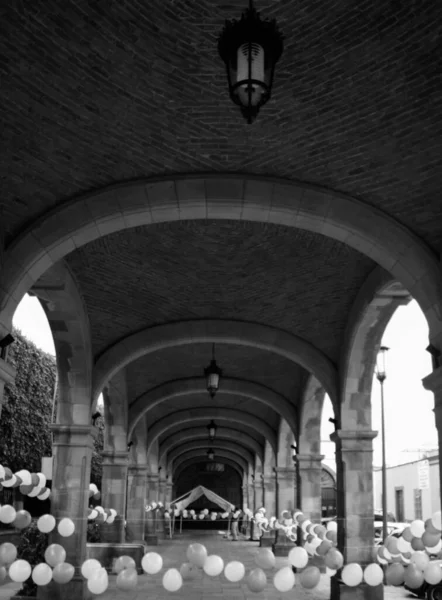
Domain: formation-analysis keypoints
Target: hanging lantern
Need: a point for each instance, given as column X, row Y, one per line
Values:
column 250, row 49
column 212, row 427
column 210, row 454
column 212, row 374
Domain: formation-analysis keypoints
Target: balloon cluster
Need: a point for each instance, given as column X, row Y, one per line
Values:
column 30, row 484
column 102, row 515
column 408, row 556
column 191, row 514
column 154, row 506
column 54, row 568
column 94, row 492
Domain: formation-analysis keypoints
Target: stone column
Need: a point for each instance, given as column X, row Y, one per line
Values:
column 150, row 534
column 269, row 489
column 251, row 496
column 310, row 471
column 72, row 450
column 286, row 479
column 169, row 491
column 285, row 500
column 245, row 496
column 257, row 497
column 7, row 375
column 161, row 490
column 113, row 494
column 136, row 497
column 433, row 382
column 354, row 461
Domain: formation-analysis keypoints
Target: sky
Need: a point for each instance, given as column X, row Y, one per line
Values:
column 409, row 418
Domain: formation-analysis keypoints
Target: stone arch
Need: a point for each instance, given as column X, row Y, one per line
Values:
column 152, row 453
column 241, row 197
column 234, row 447
column 196, row 460
column 189, row 415
column 242, row 333
column 195, row 433
column 374, row 306
column 115, row 413
column 193, row 386
column 310, row 413
column 201, row 455
column 286, row 438
column 58, row 293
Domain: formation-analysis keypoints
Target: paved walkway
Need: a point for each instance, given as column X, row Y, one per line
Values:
column 217, row 588
column 213, row 588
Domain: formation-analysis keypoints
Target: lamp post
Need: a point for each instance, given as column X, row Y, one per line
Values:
column 250, row 49
column 298, row 491
column 212, row 374
column 381, row 374
column 211, row 428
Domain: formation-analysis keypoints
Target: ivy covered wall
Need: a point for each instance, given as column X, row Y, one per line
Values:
column 28, row 410
column 27, row 407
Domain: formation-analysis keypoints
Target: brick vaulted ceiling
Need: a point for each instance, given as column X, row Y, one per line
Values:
column 99, row 91
column 96, row 92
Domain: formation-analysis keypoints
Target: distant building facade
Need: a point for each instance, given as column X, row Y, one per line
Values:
column 413, row 489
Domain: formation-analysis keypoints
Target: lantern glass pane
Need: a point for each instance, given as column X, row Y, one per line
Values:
column 257, row 60
column 213, row 381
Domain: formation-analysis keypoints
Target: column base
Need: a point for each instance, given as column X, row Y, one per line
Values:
column 267, row 539
column 76, row 589
column 339, row 591
column 151, row 539
column 282, row 545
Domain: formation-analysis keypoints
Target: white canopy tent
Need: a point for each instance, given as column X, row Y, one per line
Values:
column 183, row 501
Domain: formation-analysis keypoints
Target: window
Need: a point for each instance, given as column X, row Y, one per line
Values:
column 418, row 504
column 399, row 496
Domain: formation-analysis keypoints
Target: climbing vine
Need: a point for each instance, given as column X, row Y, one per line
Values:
column 28, row 409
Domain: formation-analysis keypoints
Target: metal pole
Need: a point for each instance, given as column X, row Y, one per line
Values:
column 384, row 468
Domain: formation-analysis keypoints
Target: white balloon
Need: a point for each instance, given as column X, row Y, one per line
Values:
column 9, row 482
column 435, row 549
column 152, row 563
column 437, row 520
column 284, row 579
column 89, row 567
column 25, row 476
column 41, row 480
column 214, row 565
column 373, row 574
column 98, row 581
column 417, row 528
column 332, row 526
column 403, row 545
column 20, row 571
column 234, row 571
column 66, row 527
column 298, row 557
column 7, row 514
column 35, row 491
column 42, row 574
column 172, row 580
column 352, row 574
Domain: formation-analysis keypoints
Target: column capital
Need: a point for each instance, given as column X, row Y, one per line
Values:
column 153, row 477
column 139, row 469
column 285, row 472
column 73, row 435
column 433, row 382
column 359, row 440
column 310, row 461
column 7, row 372
column 117, row 458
